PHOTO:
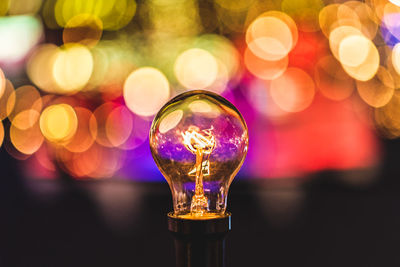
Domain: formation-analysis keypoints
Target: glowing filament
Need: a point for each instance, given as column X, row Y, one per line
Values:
column 200, row 144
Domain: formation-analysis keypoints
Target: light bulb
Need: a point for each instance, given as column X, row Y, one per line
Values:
column 199, row 141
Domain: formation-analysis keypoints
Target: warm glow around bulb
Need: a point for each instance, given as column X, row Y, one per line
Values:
column 199, row 141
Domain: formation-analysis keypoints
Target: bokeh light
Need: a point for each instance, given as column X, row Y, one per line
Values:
column 4, row 7
column 395, row 2
column 271, row 36
column 7, row 100
column 80, row 81
column 304, row 12
column 391, row 18
column 264, row 69
column 331, row 80
column 72, row 67
column 357, row 54
column 259, row 94
column 368, row 68
column 58, row 123
column 114, row 14
column 145, row 91
column 396, row 58
column 196, row 68
column 40, row 66
column 86, row 131
column 368, row 21
column 119, row 125
column 336, row 15
column 85, row 29
column 2, row 83
column 24, row 106
column 293, row 91
column 386, row 117
column 353, row 50
column 26, row 141
column 377, row 91
column 18, row 35
column 337, row 36
column 101, row 115
column 21, row 7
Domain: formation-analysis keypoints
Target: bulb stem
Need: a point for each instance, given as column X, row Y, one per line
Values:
column 199, row 201
column 199, row 172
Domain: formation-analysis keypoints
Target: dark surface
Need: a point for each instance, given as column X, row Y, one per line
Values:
column 323, row 221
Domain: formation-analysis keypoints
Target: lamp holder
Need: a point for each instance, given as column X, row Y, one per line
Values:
column 199, row 243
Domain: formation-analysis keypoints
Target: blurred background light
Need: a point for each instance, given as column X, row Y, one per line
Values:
column 145, row 91
column 24, row 106
column 368, row 68
column 387, row 116
column 377, row 91
column 21, row 7
column 58, row 123
column 86, row 131
column 40, row 65
column 293, row 91
column 119, row 125
column 89, row 76
column 2, row 83
column 304, row 12
column 72, row 67
column 27, row 141
column 18, row 35
column 101, row 115
column 395, row 2
column 391, row 18
column 357, row 54
column 7, row 100
column 114, row 14
column 196, row 68
column 271, row 38
column 331, row 80
column 353, row 50
column 264, row 69
column 396, row 58
column 337, row 36
column 85, row 29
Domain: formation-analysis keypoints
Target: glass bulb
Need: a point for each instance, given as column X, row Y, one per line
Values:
column 199, row 141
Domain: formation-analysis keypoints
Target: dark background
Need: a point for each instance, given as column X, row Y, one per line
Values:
column 318, row 221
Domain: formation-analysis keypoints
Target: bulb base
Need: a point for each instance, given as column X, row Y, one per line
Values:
column 199, row 225
column 199, row 242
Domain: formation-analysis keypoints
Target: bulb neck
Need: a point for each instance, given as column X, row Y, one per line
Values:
column 199, row 243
